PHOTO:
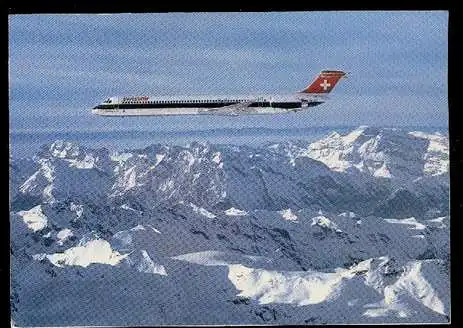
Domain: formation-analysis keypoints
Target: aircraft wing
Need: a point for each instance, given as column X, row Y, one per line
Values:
column 234, row 109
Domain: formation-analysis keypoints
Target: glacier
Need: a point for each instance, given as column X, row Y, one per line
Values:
column 351, row 228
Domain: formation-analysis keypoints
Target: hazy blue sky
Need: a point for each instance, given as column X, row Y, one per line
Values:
column 65, row 64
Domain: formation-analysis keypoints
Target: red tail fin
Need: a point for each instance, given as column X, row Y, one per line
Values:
column 324, row 82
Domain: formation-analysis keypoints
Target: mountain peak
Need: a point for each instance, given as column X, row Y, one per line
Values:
column 381, row 152
column 64, row 149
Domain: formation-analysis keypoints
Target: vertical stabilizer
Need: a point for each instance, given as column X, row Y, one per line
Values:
column 324, row 82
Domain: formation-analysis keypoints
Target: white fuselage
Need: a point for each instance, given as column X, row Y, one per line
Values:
column 181, row 111
column 197, row 105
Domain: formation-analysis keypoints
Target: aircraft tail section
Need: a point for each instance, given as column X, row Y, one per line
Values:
column 324, row 82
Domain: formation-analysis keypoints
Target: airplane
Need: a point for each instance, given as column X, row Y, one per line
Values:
column 315, row 94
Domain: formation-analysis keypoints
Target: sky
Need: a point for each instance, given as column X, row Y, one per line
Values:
column 62, row 65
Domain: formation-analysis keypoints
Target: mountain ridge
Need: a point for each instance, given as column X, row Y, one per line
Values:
column 250, row 222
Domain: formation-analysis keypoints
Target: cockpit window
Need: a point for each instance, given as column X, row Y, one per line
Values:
column 107, row 101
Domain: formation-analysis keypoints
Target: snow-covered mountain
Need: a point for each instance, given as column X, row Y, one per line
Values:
column 288, row 233
column 383, row 153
